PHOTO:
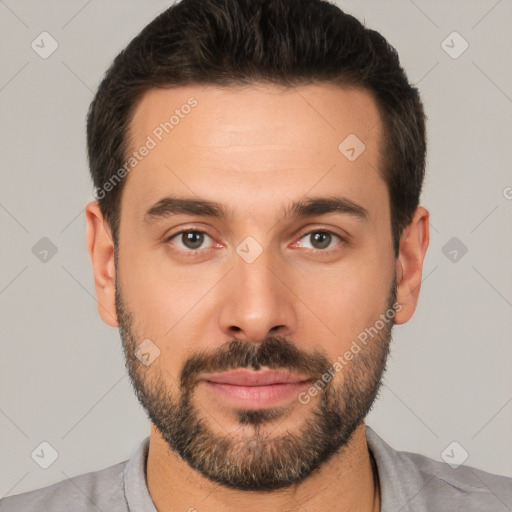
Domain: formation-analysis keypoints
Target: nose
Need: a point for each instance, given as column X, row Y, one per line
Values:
column 257, row 300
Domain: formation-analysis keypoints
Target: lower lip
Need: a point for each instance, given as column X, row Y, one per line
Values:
column 257, row 397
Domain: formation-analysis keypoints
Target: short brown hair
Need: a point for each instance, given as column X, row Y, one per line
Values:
column 242, row 42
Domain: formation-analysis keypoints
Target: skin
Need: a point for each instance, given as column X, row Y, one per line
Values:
column 256, row 150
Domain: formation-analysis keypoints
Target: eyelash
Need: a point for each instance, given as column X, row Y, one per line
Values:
column 195, row 252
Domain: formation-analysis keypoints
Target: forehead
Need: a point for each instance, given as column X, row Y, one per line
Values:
column 242, row 141
column 318, row 115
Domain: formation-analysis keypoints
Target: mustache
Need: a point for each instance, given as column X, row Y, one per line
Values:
column 275, row 352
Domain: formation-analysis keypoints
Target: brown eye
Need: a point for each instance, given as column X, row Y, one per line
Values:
column 190, row 240
column 320, row 240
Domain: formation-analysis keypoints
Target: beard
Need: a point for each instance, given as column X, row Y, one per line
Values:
column 258, row 461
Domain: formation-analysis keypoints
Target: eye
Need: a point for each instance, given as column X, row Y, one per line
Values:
column 193, row 240
column 190, row 240
column 321, row 239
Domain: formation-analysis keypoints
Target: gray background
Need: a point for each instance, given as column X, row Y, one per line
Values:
column 62, row 370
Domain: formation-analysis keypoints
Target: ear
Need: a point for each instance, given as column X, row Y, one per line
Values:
column 413, row 247
column 100, row 247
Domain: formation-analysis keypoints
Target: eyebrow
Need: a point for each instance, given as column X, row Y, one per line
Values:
column 171, row 205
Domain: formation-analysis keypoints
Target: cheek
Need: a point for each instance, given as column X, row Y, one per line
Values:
column 171, row 305
column 154, row 294
column 351, row 300
column 152, row 302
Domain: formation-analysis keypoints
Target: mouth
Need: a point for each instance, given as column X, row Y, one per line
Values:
column 260, row 389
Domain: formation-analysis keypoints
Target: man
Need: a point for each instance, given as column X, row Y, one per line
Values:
column 258, row 166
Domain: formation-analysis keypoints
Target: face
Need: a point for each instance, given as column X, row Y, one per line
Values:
column 287, row 271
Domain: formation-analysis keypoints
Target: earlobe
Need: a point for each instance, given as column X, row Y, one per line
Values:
column 100, row 247
column 413, row 247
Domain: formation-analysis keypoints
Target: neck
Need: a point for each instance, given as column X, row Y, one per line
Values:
column 345, row 482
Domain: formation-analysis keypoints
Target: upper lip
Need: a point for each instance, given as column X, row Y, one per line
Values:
column 243, row 377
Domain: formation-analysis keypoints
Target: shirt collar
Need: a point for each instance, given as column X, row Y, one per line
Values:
column 136, row 490
column 400, row 479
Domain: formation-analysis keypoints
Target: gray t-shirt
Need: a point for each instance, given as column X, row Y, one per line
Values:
column 409, row 482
